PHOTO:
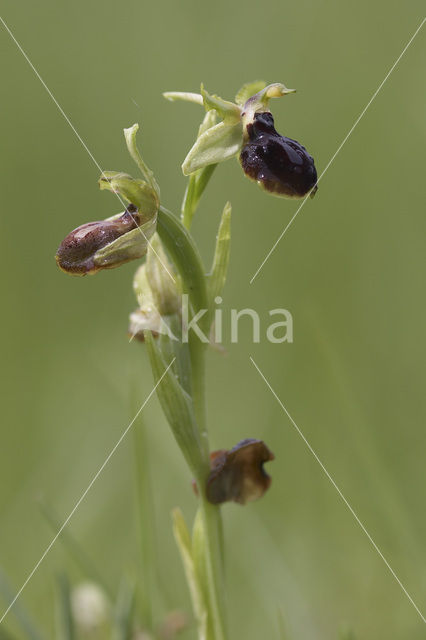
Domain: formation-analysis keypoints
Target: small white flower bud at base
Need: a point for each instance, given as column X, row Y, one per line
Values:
column 89, row 606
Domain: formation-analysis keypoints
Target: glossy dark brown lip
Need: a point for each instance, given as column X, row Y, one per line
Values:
column 280, row 165
column 76, row 252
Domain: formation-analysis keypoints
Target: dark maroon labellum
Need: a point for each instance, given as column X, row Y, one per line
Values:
column 238, row 475
column 280, row 165
column 77, row 251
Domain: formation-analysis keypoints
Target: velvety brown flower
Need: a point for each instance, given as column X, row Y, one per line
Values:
column 238, row 475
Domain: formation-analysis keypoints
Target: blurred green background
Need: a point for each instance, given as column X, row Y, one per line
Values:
column 350, row 270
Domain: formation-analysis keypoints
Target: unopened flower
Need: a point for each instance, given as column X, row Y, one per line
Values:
column 142, row 320
column 238, row 475
column 89, row 607
column 161, row 279
column 157, row 294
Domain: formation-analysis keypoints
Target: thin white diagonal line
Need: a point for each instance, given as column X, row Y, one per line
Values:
column 79, row 137
column 339, row 148
column 338, row 490
column 84, row 494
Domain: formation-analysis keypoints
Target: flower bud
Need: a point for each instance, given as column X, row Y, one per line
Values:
column 89, row 607
column 279, row 165
column 156, row 294
column 105, row 244
column 142, row 320
column 161, row 281
column 174, row 623
column 146, row 317
column 238, row 475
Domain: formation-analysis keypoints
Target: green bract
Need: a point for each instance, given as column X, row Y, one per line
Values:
column 161, row 281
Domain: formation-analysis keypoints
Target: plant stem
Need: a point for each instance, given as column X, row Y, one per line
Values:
column 211, row 516
column 186, row 258
column 196, row 184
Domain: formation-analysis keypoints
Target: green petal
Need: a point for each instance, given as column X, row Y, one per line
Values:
column 248, row 90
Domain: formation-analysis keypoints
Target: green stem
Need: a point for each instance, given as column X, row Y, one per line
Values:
column 147, row 531
column 197, row 353
column 212, row 522
column 185, row 256
column 197, row 183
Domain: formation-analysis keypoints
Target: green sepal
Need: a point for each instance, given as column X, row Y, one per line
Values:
column 199, row 179
column 131, row 245
column 218, row 143
column 209, row 120
column 130, row 136
column 183, row 96
column 138, row 192
column 229, row 111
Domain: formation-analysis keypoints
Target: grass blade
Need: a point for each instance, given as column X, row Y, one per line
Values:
column 124, row 611
column 66, row 627
column 22, row 616
column 75, row 549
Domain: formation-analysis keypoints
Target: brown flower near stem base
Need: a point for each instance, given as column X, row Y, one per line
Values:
column 238, row 475
column 279, row 165
column 78, row 253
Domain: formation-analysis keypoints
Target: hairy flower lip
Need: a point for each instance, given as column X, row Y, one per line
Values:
column 278, row 164
column 77, row 251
